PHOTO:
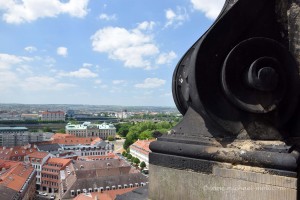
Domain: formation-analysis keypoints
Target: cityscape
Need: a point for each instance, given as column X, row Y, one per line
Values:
column 77, row 152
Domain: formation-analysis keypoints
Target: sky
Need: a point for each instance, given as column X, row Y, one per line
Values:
column 97, row 52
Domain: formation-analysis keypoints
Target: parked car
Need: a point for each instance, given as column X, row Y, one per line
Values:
column 52, row 196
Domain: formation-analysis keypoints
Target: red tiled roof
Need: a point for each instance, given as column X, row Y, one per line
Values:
column 142, row 145
column 68, row 139
column 52, row 112
column 15, row 175
column 61, row 135
column 60, row 161
column 13, row 153
column 38, row 154
column 105, row 195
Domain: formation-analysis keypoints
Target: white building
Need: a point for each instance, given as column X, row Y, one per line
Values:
column 140, row 149
column 37, row 160
column 91, row 130
column 53, row 116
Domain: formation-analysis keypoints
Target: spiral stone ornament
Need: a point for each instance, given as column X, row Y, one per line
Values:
column 256, row 82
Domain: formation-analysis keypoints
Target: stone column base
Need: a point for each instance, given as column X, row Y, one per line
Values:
column 226, row 182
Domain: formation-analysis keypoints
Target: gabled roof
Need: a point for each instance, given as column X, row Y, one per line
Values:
column 59, row 161
column 38, row 154
column 15, row 175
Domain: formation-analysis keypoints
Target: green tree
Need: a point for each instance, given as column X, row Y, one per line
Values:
column 132, row 159
column 136, row 161
column 47, row 129
column 142, row 165
column 62, row 130
column 111, row 138
column 123, row 129
column 147, row 134
column 129, row 156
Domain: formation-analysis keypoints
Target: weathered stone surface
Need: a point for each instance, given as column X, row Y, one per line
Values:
column 225, row 184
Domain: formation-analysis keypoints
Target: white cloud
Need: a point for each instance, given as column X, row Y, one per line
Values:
column 98, row 81
column 7, row 60
column 8, row 80
column 62, row 51
column 176, row 18
column 133, row 47
column 17, row 12
column 166, row 58
column 146, row 25
column 150, row 83
column 87, row 65
column 24, row 69
column 81, row 73
column 30, row 49
column 211, row 8
column 107, row 17
column 42, row 83
column 117, row 82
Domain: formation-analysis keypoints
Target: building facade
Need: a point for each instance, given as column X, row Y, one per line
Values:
column 53, row 116
column 140, row 149
column 53, row 173
column 13, row 136
column 91, row 130
column 19, row 136
column 37, row 160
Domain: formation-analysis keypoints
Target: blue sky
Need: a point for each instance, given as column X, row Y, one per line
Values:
column 99, row 52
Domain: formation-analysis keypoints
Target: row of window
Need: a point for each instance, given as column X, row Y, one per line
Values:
column 49, row 176
column 107, row 188
column 50, row 183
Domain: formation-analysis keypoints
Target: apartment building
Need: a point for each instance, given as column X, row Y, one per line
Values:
column 53, row 173
column 53, row 116
column 37, row 160
column 13, row 136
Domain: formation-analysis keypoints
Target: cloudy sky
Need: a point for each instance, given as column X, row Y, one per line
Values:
column 100, row 52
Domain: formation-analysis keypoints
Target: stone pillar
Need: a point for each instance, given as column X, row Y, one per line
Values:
column 238, row 89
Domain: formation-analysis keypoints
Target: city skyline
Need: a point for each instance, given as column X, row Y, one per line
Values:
column 97, row 53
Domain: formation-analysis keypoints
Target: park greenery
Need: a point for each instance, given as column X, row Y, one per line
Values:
column 142, row 130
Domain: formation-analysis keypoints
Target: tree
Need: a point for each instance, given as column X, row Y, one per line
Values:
column 136, row 161
column 129, row 156
column 111, row 138
column 62, row 130
column 142, row 165
column 147, row 134
column 123, row 129
column 132, row 159
column 47, row 129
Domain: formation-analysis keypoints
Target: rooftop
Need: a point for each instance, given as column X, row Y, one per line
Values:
column 59, row 161
column 105, row 195
column 142, row 144
column 38, row 154
column 15, row 175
